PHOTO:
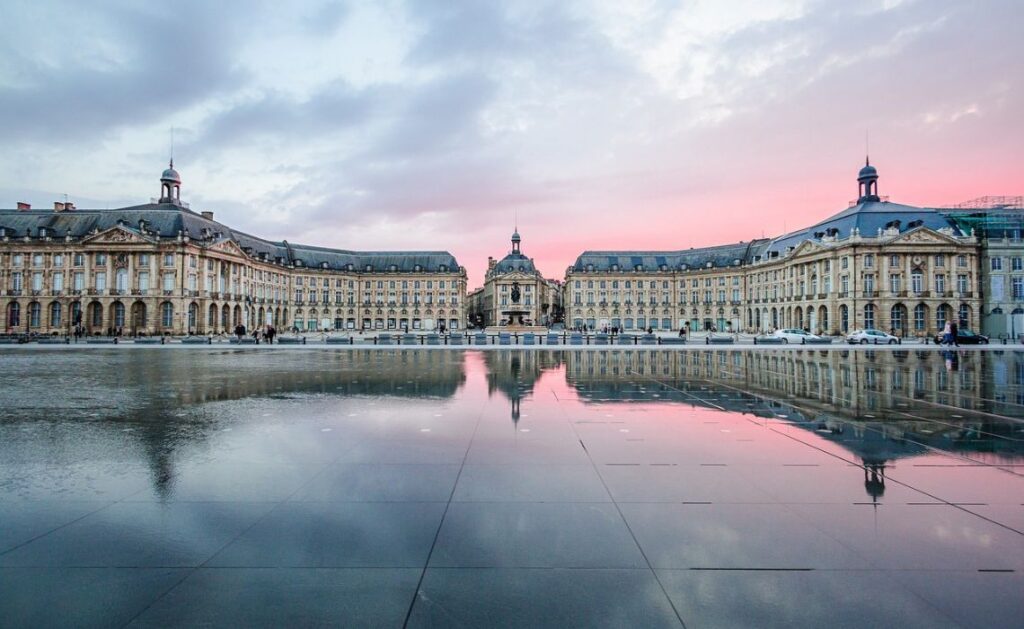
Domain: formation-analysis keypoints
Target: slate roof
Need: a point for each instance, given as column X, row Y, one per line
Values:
column 720, row 256
column 168, row 220
column 513, row 262
column 868, row 217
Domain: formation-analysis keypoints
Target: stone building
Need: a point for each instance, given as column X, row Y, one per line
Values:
column 162, row 268
column 876, row 264
column 514, row 285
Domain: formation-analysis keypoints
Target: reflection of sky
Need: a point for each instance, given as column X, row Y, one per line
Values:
column 206, row 410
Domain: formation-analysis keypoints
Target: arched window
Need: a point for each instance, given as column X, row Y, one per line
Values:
column 34, row 314
column 920, row 317
column 869, row 316
column 55, row 312
column 167, row 314
column 964, row 315
column 844, row 318
column 14, row 314
column 118, row 314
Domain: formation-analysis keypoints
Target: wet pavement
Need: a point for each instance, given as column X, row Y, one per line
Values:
column 391, row 487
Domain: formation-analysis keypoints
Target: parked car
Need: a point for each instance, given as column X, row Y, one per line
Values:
column 965, row 337
column 794, row 335
column 876, row 337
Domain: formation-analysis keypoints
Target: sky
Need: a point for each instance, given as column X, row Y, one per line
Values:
column 420, row 125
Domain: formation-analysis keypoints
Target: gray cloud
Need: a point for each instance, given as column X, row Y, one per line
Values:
column 154, row 63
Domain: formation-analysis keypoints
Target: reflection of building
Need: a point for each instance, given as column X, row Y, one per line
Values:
column 998, row 223
column 515, row 372
column 876, row 264
column 515, row 292
column 153, row 414
column 880, row 406
column 161, row 267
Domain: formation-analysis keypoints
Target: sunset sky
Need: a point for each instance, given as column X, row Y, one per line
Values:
column 430, row 125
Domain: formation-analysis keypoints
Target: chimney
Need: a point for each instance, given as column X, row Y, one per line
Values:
column 24, row 207
column 491, row 262
column 58, row 206
column 69, row 206
column 208, row 215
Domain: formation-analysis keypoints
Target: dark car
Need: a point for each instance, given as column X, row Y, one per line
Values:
column 965, row 337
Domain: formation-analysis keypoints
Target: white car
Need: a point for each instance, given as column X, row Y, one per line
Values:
column 875, row 337
column 795, row 335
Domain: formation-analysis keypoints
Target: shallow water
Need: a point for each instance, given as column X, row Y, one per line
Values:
column 514, row 487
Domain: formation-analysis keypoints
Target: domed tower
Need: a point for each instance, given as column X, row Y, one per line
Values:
column 170, row 185
column 867, row 183
column 516, row 239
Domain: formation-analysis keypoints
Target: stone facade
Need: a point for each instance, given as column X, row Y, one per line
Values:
column 161, row 268
column 876, row 265
column 540, row 299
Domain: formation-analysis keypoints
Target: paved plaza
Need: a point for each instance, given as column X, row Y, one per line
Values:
column 621, row 487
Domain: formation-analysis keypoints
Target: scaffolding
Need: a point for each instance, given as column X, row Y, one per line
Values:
column 991, row 203
column 989, row 216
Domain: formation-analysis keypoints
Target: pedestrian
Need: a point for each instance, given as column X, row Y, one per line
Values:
column 682, row 332
column 945, row 335
column 953, row 333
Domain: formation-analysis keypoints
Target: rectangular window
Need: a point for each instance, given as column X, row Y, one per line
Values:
column 101, row 280
column 168, row 259
column 894, row 283
column 916, row 282
column 79, row 281
column 79, row 259
column 869, row 260
column 1017, row 264
column 144, row 280
column 940, row 260
column 58, row 282
column 940, row 283
column 961, row 284
column 1018, row 288
column 168, row 281
column 997, row 264
column 58, row 259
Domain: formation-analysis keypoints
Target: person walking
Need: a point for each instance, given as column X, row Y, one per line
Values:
column 946, row 338
column 952, row 333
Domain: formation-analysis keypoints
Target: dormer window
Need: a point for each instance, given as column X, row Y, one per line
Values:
column 369, row 268
column 298, row 263
column 417, row 268
column 324, row 265
column 615, row 267
column 638, row 267
column 443, row 268
column 349, row 267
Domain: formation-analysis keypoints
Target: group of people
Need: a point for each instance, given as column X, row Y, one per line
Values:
column 264, row 333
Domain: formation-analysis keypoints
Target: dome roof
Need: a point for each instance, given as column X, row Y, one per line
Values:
column 515, row 236
column 867, row 171
column 171, row 175
column 514, row 262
